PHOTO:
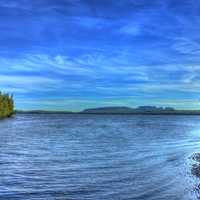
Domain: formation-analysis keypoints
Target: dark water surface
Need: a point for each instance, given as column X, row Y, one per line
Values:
column 91, row 157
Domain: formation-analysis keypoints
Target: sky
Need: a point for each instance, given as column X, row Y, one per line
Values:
column 77, row 54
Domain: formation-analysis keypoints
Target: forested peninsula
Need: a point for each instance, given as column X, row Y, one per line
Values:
column 6, row 105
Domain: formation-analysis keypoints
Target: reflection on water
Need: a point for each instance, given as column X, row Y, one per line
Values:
column 99, row 157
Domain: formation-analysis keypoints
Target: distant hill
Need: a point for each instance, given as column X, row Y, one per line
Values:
column 154, row 108
column 146, row 110
column 129, row 110
column 113, row 109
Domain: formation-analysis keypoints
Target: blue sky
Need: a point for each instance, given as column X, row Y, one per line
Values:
column 76, row 54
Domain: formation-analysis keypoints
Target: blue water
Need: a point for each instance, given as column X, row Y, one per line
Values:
column 91, row 157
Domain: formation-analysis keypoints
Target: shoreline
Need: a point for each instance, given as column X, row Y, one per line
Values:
column 110, row 113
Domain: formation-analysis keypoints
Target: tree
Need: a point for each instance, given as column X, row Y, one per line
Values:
column 6, row 105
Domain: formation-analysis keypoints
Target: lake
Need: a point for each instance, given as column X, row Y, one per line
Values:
column 99, row 157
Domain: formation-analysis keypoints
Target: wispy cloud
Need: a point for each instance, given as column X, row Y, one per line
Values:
column 100, row 52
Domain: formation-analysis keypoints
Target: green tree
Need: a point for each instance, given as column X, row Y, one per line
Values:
column 6, row 105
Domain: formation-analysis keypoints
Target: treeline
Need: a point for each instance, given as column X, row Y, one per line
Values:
column 6, row 105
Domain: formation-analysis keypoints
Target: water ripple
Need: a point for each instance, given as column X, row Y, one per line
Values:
column 48, row 157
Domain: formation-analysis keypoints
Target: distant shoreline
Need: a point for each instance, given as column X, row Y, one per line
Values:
column 177, row 112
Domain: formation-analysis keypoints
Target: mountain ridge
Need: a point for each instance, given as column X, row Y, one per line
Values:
column 154, row 110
